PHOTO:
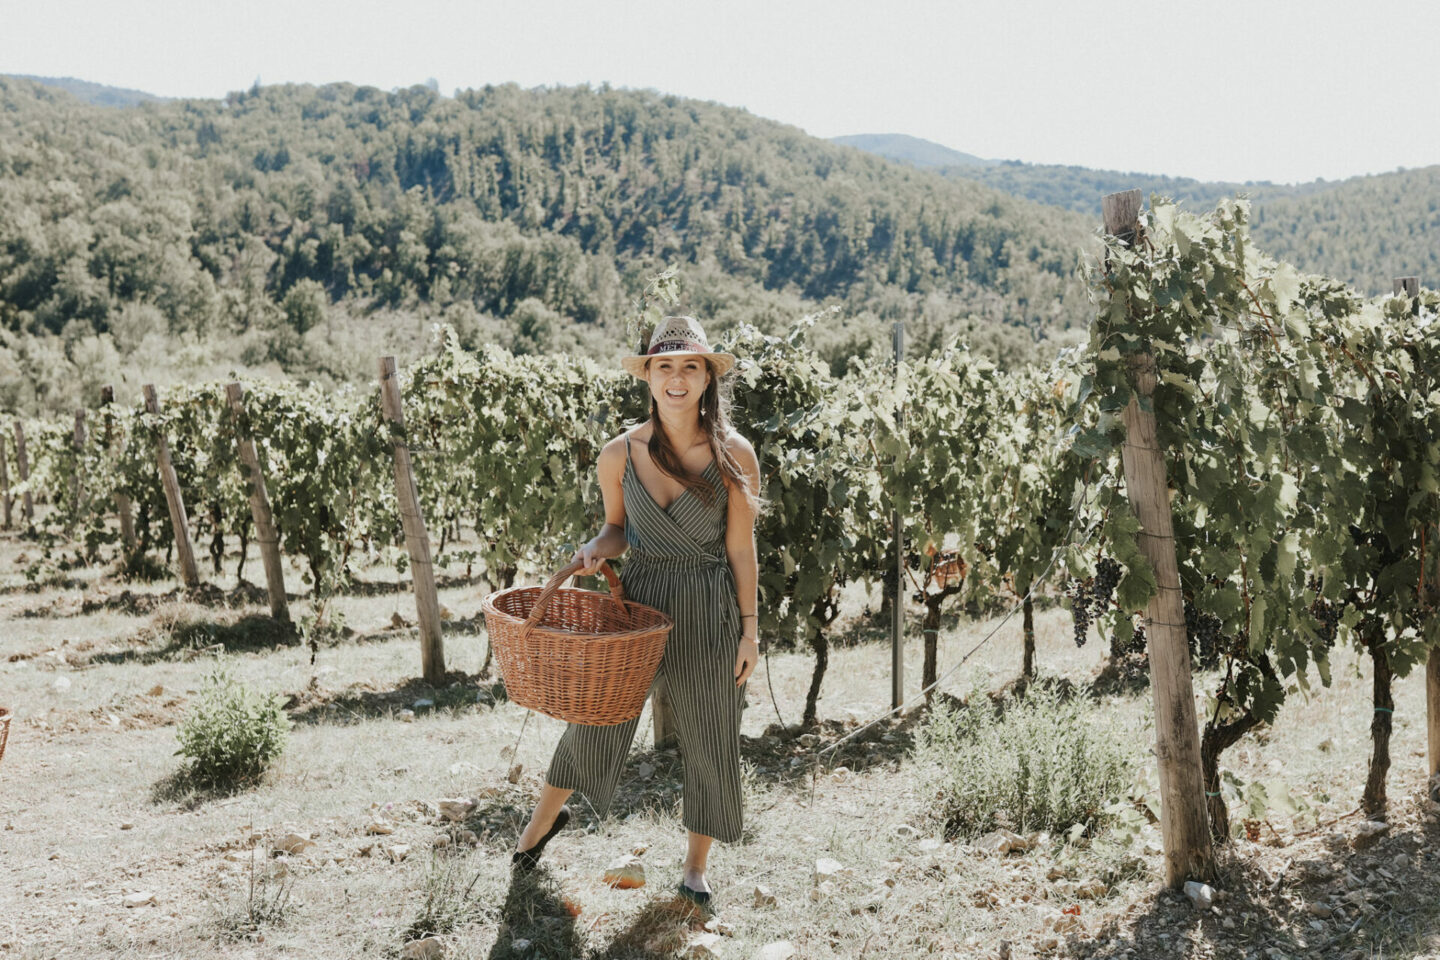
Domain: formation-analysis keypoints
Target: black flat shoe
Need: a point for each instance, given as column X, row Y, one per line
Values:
column 526, row 859
column 697, row 897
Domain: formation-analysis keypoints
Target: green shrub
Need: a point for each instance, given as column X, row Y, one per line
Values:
column 1043, row 763
column 231, row 732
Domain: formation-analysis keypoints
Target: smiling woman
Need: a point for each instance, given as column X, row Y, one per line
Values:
column 682, row 498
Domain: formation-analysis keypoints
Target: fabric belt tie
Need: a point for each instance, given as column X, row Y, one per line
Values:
column 680, row 561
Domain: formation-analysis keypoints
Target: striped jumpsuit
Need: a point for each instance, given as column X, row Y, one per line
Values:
column 677, row 563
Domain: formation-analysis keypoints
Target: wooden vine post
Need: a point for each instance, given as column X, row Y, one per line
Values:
column 22, row 465
column 265, row 532
column 897, row 610
column 662, row 712
column 122, row 501
column 417, row 541
column 5, row 482
column 77, row 440
column 189, row 573
column 1410, row 287
column 1184, row 825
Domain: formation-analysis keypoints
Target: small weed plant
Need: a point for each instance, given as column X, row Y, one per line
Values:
column 231, row 733
column 447, row 901
column 1042, row 762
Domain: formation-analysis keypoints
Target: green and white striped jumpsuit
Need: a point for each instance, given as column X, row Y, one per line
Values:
column 676, row 563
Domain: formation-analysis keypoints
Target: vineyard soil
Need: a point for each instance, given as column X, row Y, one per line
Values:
column 92, row 812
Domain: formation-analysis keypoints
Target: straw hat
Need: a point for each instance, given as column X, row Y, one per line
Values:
column 679, row 337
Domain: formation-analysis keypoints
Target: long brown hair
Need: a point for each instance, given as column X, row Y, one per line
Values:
column 715, row 422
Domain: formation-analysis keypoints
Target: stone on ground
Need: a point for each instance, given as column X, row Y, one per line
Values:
column 779, row 950
column 455, row 809
column 140, row 898
column 292, row 844
column 703, row 946
column 626, row 873
column 428, row 949
column 1201, row 895
column 828, row 869
column 764, row 896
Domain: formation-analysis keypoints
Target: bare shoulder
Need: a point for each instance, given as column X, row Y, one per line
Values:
column 612, row 455
column 744, row 454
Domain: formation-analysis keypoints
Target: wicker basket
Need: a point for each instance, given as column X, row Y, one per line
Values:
column 4, row 729
column 576, row 655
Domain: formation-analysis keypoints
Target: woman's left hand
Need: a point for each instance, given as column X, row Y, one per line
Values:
column 745, row 659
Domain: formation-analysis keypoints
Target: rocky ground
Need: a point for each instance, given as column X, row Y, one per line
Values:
column 385, row 828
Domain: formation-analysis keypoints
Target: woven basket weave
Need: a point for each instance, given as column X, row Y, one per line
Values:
column 576, row 655
column 4, row 729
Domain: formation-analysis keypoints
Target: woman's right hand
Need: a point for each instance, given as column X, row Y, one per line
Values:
column 589, row 558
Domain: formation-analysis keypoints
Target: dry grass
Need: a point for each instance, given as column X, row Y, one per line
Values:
column 90, row 810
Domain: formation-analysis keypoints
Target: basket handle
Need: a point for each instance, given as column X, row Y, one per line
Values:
column 617, row 592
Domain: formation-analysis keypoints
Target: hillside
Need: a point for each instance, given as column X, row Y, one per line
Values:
column 911, row 150
column 94, row 93
column 1364, row 230
column 303, row 230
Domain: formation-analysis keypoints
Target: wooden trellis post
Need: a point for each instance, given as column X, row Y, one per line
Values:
column 78, row 442
column 897, row 610
column 1184, row 824
column 417, row 541
column 5, row 482
column 189, row 573
column 265, row 532
column 122, row 501
column 22, row 465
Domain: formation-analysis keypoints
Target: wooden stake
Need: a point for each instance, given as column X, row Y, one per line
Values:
column 422, row 573
column 189, row 573
column 22, row 464
column 1409, row 287
column 122, row 501
column 1184, row 827
column 265, row 532
column 897, row 610
column 663, row 713
column 5, row 482
column 78, row 441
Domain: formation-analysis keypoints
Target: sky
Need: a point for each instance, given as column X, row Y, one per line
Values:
column 1217, row 90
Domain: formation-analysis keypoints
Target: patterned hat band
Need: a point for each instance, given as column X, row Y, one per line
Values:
column 678, row 346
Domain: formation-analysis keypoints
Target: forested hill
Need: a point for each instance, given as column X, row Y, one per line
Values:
column 305, row 229
column 912, row 150
column 1364, row 230
column 96, row 93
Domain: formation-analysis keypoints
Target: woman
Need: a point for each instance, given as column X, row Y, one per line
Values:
column 680, row 492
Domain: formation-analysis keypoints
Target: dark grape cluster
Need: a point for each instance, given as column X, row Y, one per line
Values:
column 1326, row 613
column 1203, row 632
column 1090, row 598
column 1137, row 646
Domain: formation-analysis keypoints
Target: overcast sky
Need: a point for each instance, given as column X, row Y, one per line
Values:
column 1214, row 89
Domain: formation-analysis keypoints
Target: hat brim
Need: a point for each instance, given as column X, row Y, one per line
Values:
column 722, row 362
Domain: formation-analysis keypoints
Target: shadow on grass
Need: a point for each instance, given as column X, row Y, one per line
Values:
column 181, row 788
column 1324, row 899
column 533, row 911
column 460, row 691
column 188, row 639
column 662, row 928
